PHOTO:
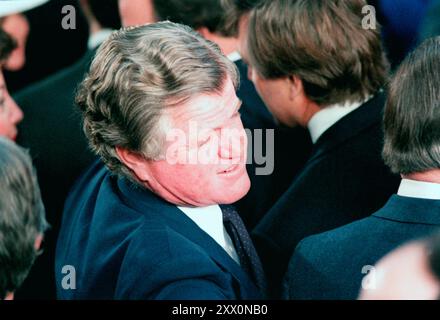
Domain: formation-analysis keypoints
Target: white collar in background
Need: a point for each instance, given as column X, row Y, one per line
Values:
column 328, row 116
column 210, row 220
column 97, row 38
column 234, row 56
column 9, row 7
column 419, row 189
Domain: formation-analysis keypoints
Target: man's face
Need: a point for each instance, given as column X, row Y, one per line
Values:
column 17, row 27
column 277, row 96
column 242, row 33
column 403, row 275
column 205, row 154
column 136, row 12
column 10, row 113
column 273, row 92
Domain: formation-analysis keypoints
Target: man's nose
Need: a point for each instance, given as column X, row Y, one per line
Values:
column 16, row 113
column 232, row 146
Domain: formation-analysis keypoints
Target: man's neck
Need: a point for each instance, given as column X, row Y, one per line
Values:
column 94, row 28
column 227, row 44
column 432, row 176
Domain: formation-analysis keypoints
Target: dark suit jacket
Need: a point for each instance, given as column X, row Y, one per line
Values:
column 127, row 243
column 344, row 180
column 291, row 149
column 52, row 131
column 329, row 265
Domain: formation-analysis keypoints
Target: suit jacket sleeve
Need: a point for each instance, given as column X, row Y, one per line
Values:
column 191, row 289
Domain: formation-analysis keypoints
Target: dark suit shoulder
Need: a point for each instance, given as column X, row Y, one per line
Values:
column 173, row 268
column 330, row 265
column 333, row 264
column 126, row 245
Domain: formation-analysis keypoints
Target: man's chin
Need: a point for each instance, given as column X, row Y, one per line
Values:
column 237, row 192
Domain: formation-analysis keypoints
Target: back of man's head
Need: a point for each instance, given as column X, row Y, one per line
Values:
column 235, row 10
column 22, row 216
column 194, row 13
column 412, row 113
column 323, row 43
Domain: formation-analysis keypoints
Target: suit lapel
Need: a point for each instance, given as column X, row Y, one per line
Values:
column 143, row 200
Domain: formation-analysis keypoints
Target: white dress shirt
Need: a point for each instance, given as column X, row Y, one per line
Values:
column 210, row 220
column 234, row 56
column 419, row 189
column 328, row 116
column 97, row 38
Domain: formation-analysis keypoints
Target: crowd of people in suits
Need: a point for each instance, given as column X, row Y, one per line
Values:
column 351, row 210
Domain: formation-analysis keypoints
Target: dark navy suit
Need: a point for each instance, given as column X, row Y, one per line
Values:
column 329, row 265
column 126, row 243
column 344, row 180
column 291, row 148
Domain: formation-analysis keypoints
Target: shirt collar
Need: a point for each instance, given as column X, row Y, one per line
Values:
column 209, row 219
column 98, row 37
column 234, row 56
column 328, row 116
column 419, row 189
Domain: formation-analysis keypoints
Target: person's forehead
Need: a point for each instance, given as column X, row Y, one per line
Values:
column 209, row 110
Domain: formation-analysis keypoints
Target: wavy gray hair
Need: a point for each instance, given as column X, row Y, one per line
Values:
column 22, row 216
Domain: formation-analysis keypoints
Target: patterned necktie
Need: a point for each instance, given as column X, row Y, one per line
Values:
column 249, row 259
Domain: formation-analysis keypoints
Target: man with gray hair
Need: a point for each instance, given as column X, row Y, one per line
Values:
column 155, row 221
column 22, row 217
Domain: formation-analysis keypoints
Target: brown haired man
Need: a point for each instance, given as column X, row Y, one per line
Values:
column 334, row 264
column 314, row 64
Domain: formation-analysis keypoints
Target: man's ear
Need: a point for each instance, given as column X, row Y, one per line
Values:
column 38, row 241
column 135, row 162
column 295, row 87
column 205, row 33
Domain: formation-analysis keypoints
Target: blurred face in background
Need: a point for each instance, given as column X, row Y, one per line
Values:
column 136, row 12
column 404, row 274
column 10, row 113
column 17, row 26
